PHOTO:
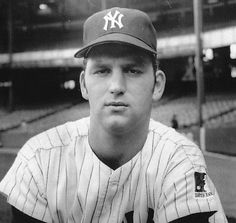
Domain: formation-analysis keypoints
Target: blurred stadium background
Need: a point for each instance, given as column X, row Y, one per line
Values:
column 39, row 76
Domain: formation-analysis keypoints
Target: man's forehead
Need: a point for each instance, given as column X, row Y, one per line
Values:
column 124, row 60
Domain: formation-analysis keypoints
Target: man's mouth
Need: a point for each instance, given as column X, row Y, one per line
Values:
column 117, row 104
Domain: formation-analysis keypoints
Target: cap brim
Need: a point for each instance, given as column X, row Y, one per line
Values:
column 116, row 38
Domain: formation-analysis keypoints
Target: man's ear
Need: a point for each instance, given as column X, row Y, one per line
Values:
column 83, row 87
column 159, row 85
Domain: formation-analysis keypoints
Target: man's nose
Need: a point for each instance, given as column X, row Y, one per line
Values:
column 117, row 82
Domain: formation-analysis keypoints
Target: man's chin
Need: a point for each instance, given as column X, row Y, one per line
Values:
column 118, row 124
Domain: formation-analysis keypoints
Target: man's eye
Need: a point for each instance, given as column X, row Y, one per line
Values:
column 101, row 71
column 134, row 71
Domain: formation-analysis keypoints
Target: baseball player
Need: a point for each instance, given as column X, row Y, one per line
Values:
column 117, row 165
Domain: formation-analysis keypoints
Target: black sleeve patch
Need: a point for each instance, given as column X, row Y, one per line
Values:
column 202, row 187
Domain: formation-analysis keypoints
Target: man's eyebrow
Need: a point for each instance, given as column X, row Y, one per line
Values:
column 100, row 64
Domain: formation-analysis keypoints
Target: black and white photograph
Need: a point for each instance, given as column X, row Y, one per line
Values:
column 118, row 111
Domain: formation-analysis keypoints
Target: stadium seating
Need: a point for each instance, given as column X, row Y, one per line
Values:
column 10, row 120
column 218, row 110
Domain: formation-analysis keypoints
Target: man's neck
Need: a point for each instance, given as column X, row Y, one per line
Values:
column 116, row 150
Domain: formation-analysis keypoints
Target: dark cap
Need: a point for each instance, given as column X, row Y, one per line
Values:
column 119, row 25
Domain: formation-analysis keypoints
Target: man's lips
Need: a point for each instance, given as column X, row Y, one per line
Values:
column 116, row 104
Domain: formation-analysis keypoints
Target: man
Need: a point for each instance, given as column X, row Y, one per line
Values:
column 118, row 165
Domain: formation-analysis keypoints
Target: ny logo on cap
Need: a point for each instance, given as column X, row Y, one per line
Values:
column 114, row 20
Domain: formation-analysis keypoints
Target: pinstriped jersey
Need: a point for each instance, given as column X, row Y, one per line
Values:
column 56, row 177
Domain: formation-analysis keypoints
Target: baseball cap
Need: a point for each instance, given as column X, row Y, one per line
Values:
column 119, row 25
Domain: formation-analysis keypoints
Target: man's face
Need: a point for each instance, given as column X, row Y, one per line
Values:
column 119, row 83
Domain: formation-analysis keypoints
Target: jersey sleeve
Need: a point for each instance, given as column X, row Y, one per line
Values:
column 23, row 185
column 187, row 188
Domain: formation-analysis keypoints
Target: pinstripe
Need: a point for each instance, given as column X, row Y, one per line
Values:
column 169, row 159
column 58, row 176
column 49, row 163
column 46, row 132
column 122, row 193
column 85, row 200
column 59, row 136
column 81, row 167
column 146, row 174
column 80, row 171
column 165, row 208
column 130, row 180
column 68, row 132
column 161, row 134
column 39, row 165
column 175, row 201
column 44, row 214
column 75, row 147
column 176, row 166
column 24, row 156
column 80, row 205
column 147, row 184
column 86, row 197
column 103, row 201
column 27, row 194
column 157, row 171
column 20, row 164
column 77, row 129
column 140, row 158
column 36, row 200
column 165, row 213
column 20, row 184
column 31, row 147
column 99, row 176
column 90, row 176
column 35, row 182
column 208, row 204
column 177, row 149
column 153, row 134
column 198, row 205
column 187, row 194
column 66, row 193
column 188, row 155
column 73, row 218
column 159, row 160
